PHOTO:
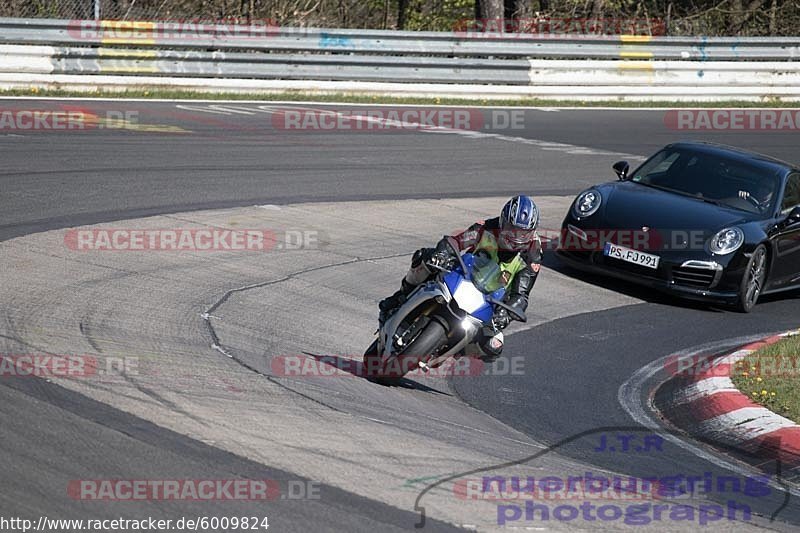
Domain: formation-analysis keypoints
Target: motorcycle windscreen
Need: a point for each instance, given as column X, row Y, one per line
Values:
column 487, row 278
column 487, row 274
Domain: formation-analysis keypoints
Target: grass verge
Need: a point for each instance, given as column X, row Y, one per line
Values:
column 771, row 376
column 374, row 99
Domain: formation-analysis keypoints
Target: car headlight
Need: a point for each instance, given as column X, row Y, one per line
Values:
column 587, row 203
column 726, row 241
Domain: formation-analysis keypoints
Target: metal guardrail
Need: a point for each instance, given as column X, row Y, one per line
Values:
column 449, row 44
column 366, row 68
column 79, row 53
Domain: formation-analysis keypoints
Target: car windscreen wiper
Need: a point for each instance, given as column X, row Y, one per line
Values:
column 687, row 194
column 646, row 184
column 662, row 188
column 710, row 201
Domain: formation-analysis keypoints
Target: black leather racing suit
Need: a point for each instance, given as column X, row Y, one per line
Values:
column 522, row 284
column 520, row 287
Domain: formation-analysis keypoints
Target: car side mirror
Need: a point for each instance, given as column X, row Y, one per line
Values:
column 792, row 218
column 621, row 168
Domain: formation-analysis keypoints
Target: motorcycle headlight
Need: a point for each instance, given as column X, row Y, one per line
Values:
column 587, row 203
column 726, row 241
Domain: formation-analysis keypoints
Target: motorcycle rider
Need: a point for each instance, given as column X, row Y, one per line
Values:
column 512, row 239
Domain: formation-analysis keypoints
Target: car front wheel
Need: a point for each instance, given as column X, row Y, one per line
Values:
column 753, row 280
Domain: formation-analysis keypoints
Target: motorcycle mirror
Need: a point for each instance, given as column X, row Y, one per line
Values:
column 453, row 245
column 621, row 168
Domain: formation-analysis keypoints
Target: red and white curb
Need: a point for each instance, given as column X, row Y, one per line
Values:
column 720, row 412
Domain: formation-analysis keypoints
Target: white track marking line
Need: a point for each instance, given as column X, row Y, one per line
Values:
column 230, row 110
column 414, row 126
column 201, row 109
column 235, row 110
column 542, row 145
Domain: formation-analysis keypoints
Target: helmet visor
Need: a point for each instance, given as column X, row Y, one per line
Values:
column 516, row 237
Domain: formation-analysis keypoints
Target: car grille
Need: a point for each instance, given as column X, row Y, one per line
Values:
column 693, row 277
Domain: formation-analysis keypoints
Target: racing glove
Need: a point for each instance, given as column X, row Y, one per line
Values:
column 500, row 320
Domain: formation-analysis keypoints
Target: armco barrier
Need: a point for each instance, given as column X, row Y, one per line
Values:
column 119, row 55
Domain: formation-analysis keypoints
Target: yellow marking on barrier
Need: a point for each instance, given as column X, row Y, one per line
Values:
column 132, row 24
column 127, row 32
column 643, row 71
column 636, row 65
column 635, row 38
column 636, row 55
column 117, row 69
column 111, row 53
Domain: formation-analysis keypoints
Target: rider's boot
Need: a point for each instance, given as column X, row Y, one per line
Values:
column 491, row 344
column 388, row 305
column 415, row 276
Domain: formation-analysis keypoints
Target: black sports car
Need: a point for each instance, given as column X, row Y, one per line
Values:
column 701, row 220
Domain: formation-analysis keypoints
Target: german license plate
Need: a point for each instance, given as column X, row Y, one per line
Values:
column 631, row 256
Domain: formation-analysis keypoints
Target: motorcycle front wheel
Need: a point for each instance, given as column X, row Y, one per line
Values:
column 397, row 366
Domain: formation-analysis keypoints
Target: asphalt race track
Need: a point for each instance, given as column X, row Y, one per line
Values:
column 233, row 159
column 209, row 398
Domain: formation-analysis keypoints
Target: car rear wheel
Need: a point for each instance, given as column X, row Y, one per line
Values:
column 753, row 280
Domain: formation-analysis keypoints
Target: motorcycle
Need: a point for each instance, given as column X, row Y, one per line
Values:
column 441, row 318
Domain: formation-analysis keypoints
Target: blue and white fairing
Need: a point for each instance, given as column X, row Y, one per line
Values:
column 470, row 289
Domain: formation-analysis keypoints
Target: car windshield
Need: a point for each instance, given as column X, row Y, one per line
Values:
column 486, row 274
column 712, row 178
